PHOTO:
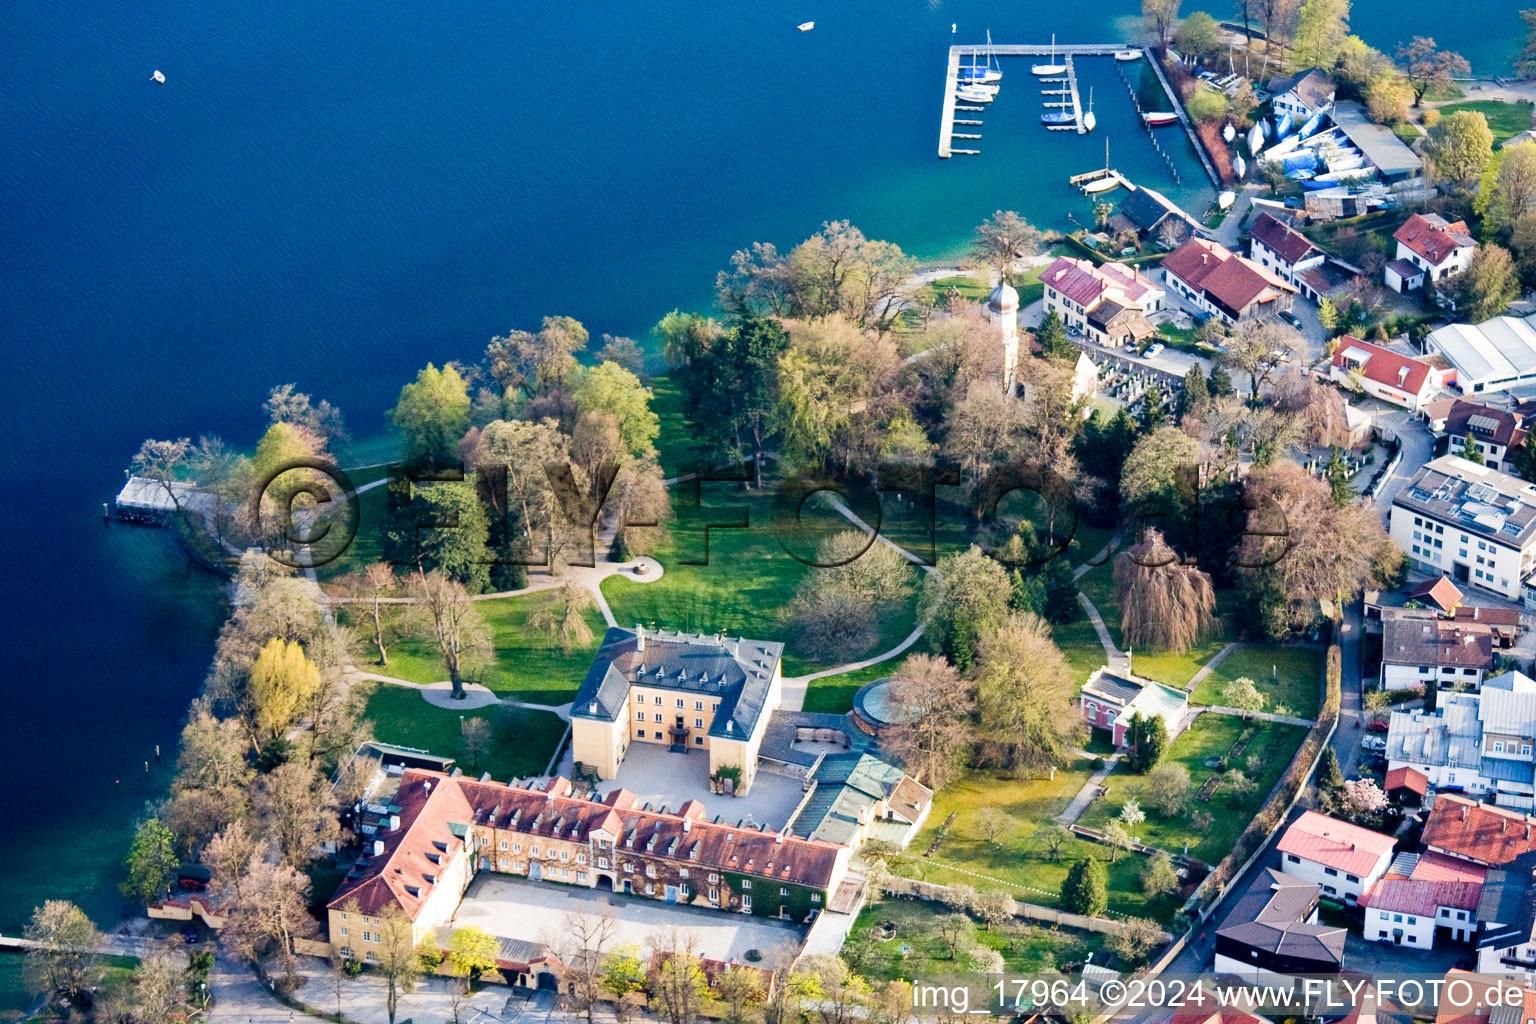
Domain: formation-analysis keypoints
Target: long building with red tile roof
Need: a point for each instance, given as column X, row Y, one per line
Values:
column 1224, row 284
column 1107, row 302
column 444, row 828
column 1476, row 832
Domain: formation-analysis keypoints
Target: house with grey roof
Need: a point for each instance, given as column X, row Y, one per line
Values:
column 1443, row 653
column 1273, row 928
column 1478, row 743
column 1506, row 918
column 853, row 797
column 1303, row 94
column 689, row 692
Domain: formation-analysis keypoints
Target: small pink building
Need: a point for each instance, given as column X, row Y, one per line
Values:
column 1109, row 700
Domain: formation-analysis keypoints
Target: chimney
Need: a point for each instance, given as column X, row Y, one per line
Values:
column 779, row 838
column 728, row 724
column 426, row 787
column 394, row 823
column 640, row 638
column 378, row 847
column 687, row 824
column 1205, row 258
column 592, row 708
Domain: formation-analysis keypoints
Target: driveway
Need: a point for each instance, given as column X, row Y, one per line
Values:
column 1417, row 446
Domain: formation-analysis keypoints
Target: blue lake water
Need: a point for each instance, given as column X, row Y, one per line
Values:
column 334, row 194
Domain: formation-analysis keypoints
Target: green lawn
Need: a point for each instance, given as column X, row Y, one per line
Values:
column 528, row 665
column 749, row 579
column 834, row 694
column 1290, row 677
column 400, row 715
column 1016, row 857
column 1270, row 750
column 676, row 449
column 1504, row 119
column 1169, row 667
column 916, row 948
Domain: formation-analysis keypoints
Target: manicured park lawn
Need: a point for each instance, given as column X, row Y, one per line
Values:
column 1171, row 667
column 1270, row 751
column 916, row 947
column 528, row 665
column 676, row 450
column 1017, row 857
column 749, row 579
column 1504, row 119
column 400, row 715
column 834, row 694
column 1289, row 677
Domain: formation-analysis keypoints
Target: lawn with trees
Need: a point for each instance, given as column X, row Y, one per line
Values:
column 1290, row 678
column 897, row 939
column 1246, row 782
column 509, row 743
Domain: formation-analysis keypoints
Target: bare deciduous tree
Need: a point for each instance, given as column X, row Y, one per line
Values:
column 457, row 626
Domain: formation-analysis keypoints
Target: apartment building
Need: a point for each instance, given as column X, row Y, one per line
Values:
column 1469, row 522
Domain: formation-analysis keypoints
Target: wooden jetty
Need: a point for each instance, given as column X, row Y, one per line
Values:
column 947, row 121
column 1077, row 105
column 1189, row 126
column 1098, row 174
column 958, row 135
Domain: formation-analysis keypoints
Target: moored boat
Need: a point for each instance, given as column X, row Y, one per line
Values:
column 1058, row 117
column 1239, row 167
column 1313, row 123
column 1229, row 133
column 1090, row 122
column 1159, row 118
column 806, row 26
column 1282, row 127
column 1127, row 55
column 974, row 94
column 1098, row 185
column 1051, row 68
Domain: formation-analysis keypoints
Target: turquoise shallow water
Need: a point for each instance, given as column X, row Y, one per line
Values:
column 334, row 194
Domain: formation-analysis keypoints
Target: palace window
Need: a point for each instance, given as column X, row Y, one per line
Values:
column 815, row 897
column 650, row 871
column 698, row 705
column 602, row 862
column 581, row 858
column 503, row 863
column 658, row 698
column 682, row 872
column 698, row 723
column 503, row 844
column 713, row 878
column 746, row 883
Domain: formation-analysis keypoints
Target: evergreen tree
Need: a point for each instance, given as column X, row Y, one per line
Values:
column 1148, row 739
column 151, row 863
column 1053, row 338
column 1221, row 382
column 1525, row 460
column 1329, row 776
column 1469, row 449
column 1086, row 889
column 1196, row 395
column 1337, row 475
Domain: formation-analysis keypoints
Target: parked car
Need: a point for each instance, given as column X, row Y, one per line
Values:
column 1379, row 725
column 1373, row 743
column 1154, row 349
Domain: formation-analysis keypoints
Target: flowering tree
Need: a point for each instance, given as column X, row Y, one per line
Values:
column 1362, row 799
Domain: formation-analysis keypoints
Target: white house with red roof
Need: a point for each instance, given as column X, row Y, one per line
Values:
column 1390, row 376
column 1429, row 248
column 1421, row 895
column 1275, row 245
column 1219, row 282
column 1106, row 302
column 1345, row 860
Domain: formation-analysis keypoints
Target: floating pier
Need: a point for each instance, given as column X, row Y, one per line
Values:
column 1099, row 174
column 1077, row 104
column 947, row 121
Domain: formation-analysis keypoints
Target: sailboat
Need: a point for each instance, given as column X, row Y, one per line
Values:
column 158, row 76
column 1089, row 121
column 975, row 94
column 806, row 26
column 978, row 74
column 1105, row 183
column 1229, row 133
column 1052, row 68
column 1239, row 167
column 1127, row 55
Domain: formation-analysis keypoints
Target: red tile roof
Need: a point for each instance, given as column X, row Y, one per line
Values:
column 1407, row 777
column 1456, row 1012
column 1441, row 591
column 1223, row 1015
column 1336, row 844
column 404, row 874
column 430, row 801
column 1432, row 237
column 1283, row 240
column 1437, row 867
column 1086, row 283
column 1477, row 832
column 1384, row 366
column 1421, row 897
column 1226, row 278
column 1505, row 425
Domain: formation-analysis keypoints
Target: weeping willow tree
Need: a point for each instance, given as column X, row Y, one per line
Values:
column 1165, row 605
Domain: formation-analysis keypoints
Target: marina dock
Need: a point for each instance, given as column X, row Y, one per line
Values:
column 952, row 73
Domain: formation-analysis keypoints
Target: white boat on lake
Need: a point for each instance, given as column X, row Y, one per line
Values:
column 974, row 94
column 1127, row 55
column 1090, row 122
column 806, row 26
column 1051, row 68
column 157, row 77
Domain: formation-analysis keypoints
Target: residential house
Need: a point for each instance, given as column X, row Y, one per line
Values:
column 1447, row 655
column 1273, row 929
column 1344, row 859
column 447, row 828
column 1496, row 355
column 687, row 692
column 1109, row 700
column 1220, row 283
column 1275, row 245
column 1477, row 833
column 1478, row 743
column 1409, row 912
column 1406, row 786
column 1495, row 433
column 1473, row 523
column 1108, row 303
column 1303, row 94
column 1438, row 594
column 1153, row 215
column 1433, row 249
column 1085, row 380
column 1489, row 994
column 1506, row 917
column 1403, row 380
